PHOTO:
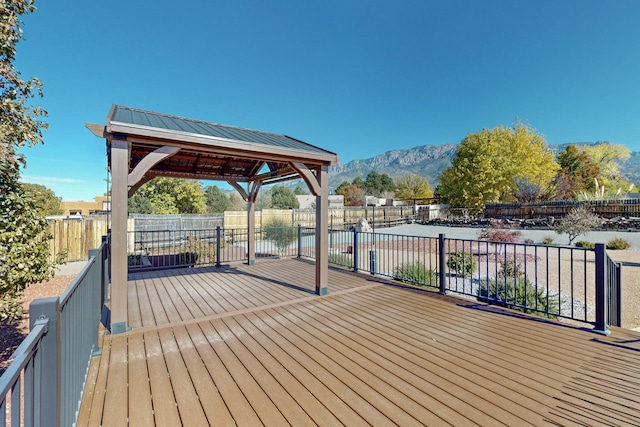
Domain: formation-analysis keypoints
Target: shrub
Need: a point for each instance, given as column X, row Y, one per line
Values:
column 528, row 241
column 197, row 251
column 547, row 241
column 618, row 243
column 281, row 233
column 416, row 273
column 585, row 244
column 577, row 221
column 510, row 288
column 10, row 309
column 462, row 263
column 504, row 235
column 341, row 260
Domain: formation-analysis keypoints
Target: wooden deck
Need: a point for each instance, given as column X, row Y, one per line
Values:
column 253, row 346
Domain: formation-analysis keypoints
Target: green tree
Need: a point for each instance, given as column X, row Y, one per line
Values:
column 358, row 182
column 172, row 196
column 139, row 204
column 23, row 238
column 217, row 201
column 44, row 199
column 299, row 191
column 376, row 184
column 411, row 186
column 283, row 198
column 577, row 169
column 487, row 163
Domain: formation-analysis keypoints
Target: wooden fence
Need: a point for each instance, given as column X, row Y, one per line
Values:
column 76, row 236
column 558, row 208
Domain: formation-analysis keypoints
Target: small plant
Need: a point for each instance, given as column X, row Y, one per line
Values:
column 462, row 263
column 281, row 233
column 497, row 234
column 585, row 244
column 547, row 241
column 578, row 221
column 416, row 273
column 342, row 260
column 618, row 243
column 528, row 241
column 511, row 288
column 197, row 251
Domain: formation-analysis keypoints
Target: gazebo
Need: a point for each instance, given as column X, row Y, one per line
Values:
column 142, row 145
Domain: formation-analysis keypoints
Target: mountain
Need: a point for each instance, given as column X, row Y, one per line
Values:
column 430, row 160
column 426, row 160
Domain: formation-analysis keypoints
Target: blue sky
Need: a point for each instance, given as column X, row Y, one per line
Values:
column 354, row 77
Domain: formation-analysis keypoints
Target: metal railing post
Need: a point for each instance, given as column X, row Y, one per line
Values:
column 299, row 241
column 601, row 291
column 355, row 250
column 47, row 402
column 218, row 246
column 442, row 264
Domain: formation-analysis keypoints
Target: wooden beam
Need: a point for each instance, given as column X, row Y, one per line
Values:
column 132, row 190
column 239, row 189
column 308, row 177
column 150, row 161
column 98, row 130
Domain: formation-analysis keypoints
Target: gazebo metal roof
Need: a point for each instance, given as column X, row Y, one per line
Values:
column 211, row 151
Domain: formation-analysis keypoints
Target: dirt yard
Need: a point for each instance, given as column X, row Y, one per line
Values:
column 12, row 335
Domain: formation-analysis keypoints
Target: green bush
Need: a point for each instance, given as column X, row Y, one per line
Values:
column 510, row 288
column 462, row 263
column 547, row 241
column 618, row 243
column 342, row 260
column 585, row 244
column 281, row 233
column 10, row 309
column 416, row 273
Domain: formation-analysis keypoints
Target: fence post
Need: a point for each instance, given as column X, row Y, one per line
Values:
column 47, row 402
column 442, row 264
column 218, row 246
column 355, row 250
column 299, row 241
column 601, row 291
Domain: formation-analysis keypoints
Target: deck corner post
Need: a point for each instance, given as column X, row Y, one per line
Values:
column 601, row 291
column 355, row 250
column 442, row 264
column 218, row 246
column 299, row 241
column 47, row 388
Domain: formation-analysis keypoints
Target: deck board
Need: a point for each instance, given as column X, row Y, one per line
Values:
column 250, row 345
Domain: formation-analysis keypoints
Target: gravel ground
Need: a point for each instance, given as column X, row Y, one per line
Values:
column 12, row 335
column 630, row 258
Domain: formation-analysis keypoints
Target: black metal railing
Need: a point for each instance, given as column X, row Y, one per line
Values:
column 553, row 281
column 49, row 368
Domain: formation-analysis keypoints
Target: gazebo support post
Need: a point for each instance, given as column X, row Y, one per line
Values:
column 119, row 264
column 322, row 225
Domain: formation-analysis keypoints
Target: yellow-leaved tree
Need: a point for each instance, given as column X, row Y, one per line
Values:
column 412, row 186
column 488, row 163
